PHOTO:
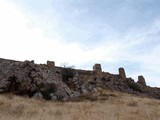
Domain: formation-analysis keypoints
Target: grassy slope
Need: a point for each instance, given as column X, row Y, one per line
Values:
column 104, row 105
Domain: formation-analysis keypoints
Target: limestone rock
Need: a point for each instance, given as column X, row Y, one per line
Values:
column 53, row 96
column 75, row 94
column 41, row 81
column 84, row 91
column 4, row 84
column 38, row 95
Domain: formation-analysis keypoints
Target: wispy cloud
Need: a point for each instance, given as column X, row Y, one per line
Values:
column 78, row 12
column 25, row 36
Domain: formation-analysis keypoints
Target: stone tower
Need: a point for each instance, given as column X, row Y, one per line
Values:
column 141, row 80
column 122, row 73
column 51, row 64
column 97, row 68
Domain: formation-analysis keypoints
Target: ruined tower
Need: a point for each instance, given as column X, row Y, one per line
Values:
column 97, row 68
column 122, row 73
column 51, row 64
column 141, row 80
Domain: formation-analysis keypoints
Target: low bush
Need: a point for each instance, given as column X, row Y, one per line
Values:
column 67, row 73
column 135, row 87
column 46, row 92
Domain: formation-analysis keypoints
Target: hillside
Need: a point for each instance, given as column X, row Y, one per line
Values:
column 60, row 93
column 103, row 105
column 60, row 83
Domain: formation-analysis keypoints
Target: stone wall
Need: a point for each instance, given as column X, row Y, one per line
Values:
column 39, row 80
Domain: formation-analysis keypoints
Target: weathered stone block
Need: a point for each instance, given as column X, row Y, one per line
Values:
column 51, row 64
column 53, row 96
column 38, row 95
column 141, row 80
column 122, row 73
column 97, row 68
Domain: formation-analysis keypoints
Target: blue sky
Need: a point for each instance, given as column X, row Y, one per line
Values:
column 114, row 33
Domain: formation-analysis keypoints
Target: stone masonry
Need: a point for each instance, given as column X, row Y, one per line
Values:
column 51, row 64
column 122, row 73
column 141, row 80
column 97, row 68
column 50, row 82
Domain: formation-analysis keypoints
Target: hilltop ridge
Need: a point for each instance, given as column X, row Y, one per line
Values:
column 58, row 83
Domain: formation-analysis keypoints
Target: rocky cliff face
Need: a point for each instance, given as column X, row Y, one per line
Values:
column 50, row 82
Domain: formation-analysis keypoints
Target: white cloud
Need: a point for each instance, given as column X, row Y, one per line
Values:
column 78, row 12
column 20, row 40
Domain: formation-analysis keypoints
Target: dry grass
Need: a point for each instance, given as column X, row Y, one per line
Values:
column 103, row 105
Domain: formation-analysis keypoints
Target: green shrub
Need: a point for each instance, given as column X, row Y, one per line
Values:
column 135, row 87
column 67, row 73
column 46, row 92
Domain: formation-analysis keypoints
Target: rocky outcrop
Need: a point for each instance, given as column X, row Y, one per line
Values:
column 49, row 82
column 28, row 78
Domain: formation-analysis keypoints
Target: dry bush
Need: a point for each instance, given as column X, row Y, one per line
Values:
column 17, row 110
column 133, row 103
column 107, row 106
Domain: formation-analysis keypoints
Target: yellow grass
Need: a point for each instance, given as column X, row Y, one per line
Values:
column 105, row 105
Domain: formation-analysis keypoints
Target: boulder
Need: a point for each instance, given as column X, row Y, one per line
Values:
column 41, row 81
column 53, row 96
column 4, row 84
column 38, row 95
column 84, row 91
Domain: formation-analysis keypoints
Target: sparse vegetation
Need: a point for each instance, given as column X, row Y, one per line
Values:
column 67, row 73
column 135, row 87
column 46, row 92
column 107, row 106
column 93, row 102
column 133, row 103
